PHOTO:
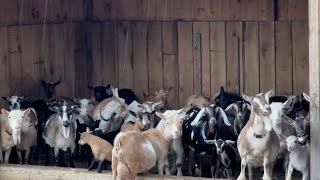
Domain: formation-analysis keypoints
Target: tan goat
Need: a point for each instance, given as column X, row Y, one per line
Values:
column 139, row 125
column 197, row 100
column 101, row 149
column 258, row 144
column 136, row 152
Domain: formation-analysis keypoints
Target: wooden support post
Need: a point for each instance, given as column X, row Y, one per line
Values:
column 314, row 81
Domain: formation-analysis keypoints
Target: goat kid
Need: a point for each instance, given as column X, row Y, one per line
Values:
column 299, row 158
column 101, row 149
column 136, row 152
column 258, row 144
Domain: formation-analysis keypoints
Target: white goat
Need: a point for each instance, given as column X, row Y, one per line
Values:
column 299, row 158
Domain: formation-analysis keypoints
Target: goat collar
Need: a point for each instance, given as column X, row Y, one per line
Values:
column 258, row 136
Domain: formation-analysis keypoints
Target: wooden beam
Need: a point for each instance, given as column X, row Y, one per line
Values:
column 314, row 80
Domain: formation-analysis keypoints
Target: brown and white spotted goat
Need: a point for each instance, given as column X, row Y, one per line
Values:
column 258, row 144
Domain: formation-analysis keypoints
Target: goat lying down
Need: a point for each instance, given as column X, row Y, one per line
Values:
column 136, row 152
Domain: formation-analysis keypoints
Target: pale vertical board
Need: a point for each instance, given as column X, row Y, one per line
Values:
column 218, row 56
column 4, row 64
column 267, row 56
column 69, row 64
column 233, row 54
column 125, row 65
column 283, row 57
column 300, row 56
column 197, row 67
column 185, row 61
column 250, row 58
column 109, row 54
column 30, row 46
column 155, row 56
column 14, row 44
column 170, row 62
column 140, row 58
column 96, row 54
column 202, row 31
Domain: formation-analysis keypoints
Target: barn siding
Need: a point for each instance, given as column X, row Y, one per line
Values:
column 138, row 50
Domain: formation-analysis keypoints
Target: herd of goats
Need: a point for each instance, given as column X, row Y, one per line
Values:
column 231, row 133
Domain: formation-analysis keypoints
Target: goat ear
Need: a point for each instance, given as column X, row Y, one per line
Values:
column 115, row 92
column 306, row 97
column 5, row 112
column 133, row 113
column 232, row 109
column 43, row 83
column 221, row 90
column 27, row 111
column 5, row 98
column 268, row 94
column 57, row 83
column 247, row 98
column 230, row 142
column 160, row 115
column 87, row 129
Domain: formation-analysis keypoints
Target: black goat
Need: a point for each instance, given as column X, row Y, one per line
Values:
column 224, row 99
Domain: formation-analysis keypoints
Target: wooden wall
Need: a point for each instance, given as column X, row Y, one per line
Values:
column 193, row 54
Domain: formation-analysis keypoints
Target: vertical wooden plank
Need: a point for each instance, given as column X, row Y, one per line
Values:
column 125, row 65
column 233, row 53
column 30, row 46
column 267, row 56
column 201, row 30
column 109, row 54
column 170, row 62
column 250, row 58
column 155, row 56
column 4, row 64
column 185, row 61
column 197, row 68
column 96, row 54
column 283, row 57
column 69, row 64
column 140, row 58
column 14, row 44
column 300, row 37
column 218, row 56
column 314, row 85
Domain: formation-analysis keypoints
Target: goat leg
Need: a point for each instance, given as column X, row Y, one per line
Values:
column 26, row 156
column 191, row 162
column 99, row 168
column 6, row 156
column 242, row 175
column 47, row 153
column 166, row 166
column 32, row 159
column 71, row 163
column 93, row 161
column 289, row 173
column 19, row 156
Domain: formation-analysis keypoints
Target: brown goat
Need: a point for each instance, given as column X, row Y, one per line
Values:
column 136, row 152
column 160, row 95
column 101, row 149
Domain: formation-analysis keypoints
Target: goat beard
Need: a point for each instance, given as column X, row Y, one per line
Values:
column 66, row 132
column 16, row 137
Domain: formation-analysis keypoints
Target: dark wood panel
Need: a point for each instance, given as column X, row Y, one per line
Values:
column 125, row 66
column 300, row 45
column 185, row 60
column 267, row 56
column 140, row 58
column 4, row 65
column 250, row 63
column 218, row 56
column 283, row 57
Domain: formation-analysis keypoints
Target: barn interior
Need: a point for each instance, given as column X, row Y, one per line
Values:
column 246, row 46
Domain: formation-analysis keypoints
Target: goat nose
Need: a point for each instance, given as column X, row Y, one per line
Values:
column 18, row 128
column 268, row 108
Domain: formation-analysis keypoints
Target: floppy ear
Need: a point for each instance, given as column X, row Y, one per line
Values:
column 232, row 109
column 230, row 142
column 5, row 112
column 247, row 98
column 160, row 115
column 57, row 83
column 43, row 83
column 115, row 92
column 87, row 129
column 220, row 113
